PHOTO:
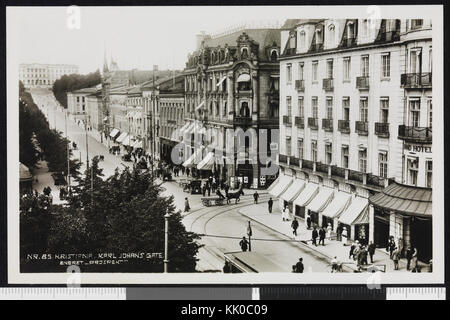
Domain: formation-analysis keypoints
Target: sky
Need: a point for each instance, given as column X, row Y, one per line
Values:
column 136, row 37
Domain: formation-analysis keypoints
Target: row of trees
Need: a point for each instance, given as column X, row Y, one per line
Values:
column 73, row 82
column 121, row 214
column 34, row 132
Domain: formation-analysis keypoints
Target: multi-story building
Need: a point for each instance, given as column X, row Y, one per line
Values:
column 43, row 75
column 355, row 127
column 231, row 85
column 77, row 102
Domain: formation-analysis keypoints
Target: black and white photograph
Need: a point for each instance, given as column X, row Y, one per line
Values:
column 209, row 144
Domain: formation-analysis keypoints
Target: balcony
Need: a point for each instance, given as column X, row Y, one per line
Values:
column 362, row 83
column 382, row 129
column 322, row 167
column 327, row 84
column 293, row 161
column 415, row 134
column 287, row 120
column 300, row 122
column 327, row 125
column 344, row 126
column 362, row 128
column 313, row 123
column 242, row 121
column 416, row 80
column 307, row 164
column 300, row 85
column 282, row 158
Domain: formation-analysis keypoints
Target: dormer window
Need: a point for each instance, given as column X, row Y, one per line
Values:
column 244, row 53
column 331, row 36
column 365, row 28
column 319, row 36
column 350, row 30
column 302, row 40
column 416, row 24
column 274, row 56
column 292, row 43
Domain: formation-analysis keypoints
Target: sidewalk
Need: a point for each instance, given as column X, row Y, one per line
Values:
column 45, row 179
column 259, row 212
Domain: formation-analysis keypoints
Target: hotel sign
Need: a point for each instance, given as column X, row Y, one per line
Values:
column 417, row 148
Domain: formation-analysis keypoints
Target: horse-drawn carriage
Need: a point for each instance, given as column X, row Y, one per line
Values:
column 212, row 201
column 192, row 186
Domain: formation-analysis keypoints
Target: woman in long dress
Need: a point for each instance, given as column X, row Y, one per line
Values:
column 344, row 236
column 329, row 229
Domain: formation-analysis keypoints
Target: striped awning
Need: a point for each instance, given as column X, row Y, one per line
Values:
column 194, row 159
column 337, row 205
column 321, row 200
column 308, row 193
column 283, row 183
column 128, row 140
column 294, row 189
column 114, row 133
column 408, row 200
column 122, row 137
column 356, row 213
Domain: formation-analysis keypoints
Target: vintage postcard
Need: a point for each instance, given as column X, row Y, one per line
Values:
column 254, row 145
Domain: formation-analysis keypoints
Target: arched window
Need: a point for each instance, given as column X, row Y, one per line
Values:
column 244, row 53
column 274, row 56
column 331, row 37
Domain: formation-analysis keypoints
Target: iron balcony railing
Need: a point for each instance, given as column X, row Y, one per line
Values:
column 282, row 158
column 416, row 80
column 415, row 134
column 300, row 85
column 313, row 123
column 327, row 124
column 327, row 84
column 362, row 83
column 300, row 122
column 382, row 129
column 344, row 126
column 287, row 120
column 362, row 127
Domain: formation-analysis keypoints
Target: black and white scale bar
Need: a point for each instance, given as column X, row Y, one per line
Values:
column 63, row 293
column 419, row 293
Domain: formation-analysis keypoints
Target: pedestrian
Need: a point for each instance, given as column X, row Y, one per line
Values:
column 299, row 267
column 204, row 188
column 371, row 250
column 322, row 234
column 344, row 236
column 226, row 188
column 396, row 257
column 244, row 244
column 294, row 226
column 409, row 253
column 270, row 205
column 285, row 214
column 208, row 185
column 414, row 266
column 255, row 197
column 308, row 221
column 61, row 194
column 226, row 267
column 329, row 230
column 392, row 246
column 363, row 255
column 334, row 265
column 187, row 207
column 187, row 172
column 352, row 250
column 314, row 236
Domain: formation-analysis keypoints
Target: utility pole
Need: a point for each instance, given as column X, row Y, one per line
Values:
column 166, row 243
column 87, row 146
column 68, row 152
column 92, row 187
column 249, row 233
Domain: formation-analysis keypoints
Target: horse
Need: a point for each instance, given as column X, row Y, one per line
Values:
column 235, row 195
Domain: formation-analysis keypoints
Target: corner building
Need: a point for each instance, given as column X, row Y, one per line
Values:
column 355, row 127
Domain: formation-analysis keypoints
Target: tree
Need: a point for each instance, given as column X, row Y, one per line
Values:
column 68, row 83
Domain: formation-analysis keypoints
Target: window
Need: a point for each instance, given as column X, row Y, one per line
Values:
column 274, row 56
column 288, row 146
column 346, row 67
column 363, row 110
column 385, row 65
column 224, row 108
column 301, row 107
column 300, row 71
column 414, row 113
column 345, row 156
column 292, row 43
column 289, row 72
column 329, row 108
column 413, row 168
column 416, row 23
column 430, row 60
column 430, row 113
column 289, row 106
column 384, row 110
column 331, row 40
column 415, row 60
column 429, row 173
column 350, row 30
column 300, row 148
column 365, row 66
column 328, row 153
column 330, row 68
column 383, row 164
column 314, row 107
column 362, row 160
column 313, row 150
column 315, row 65
column 346, row 108
column 78, row 99
column 365, row 28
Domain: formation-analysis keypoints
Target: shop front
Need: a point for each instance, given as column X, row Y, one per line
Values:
column 355, row 219
column 334, row 209
column 280, row 185
column 291, row 193
column 318, row 204
column 408, row 210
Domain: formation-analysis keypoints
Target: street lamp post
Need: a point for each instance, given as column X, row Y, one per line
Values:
column 68, row 153
column 249, row 233
column 166, row 243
